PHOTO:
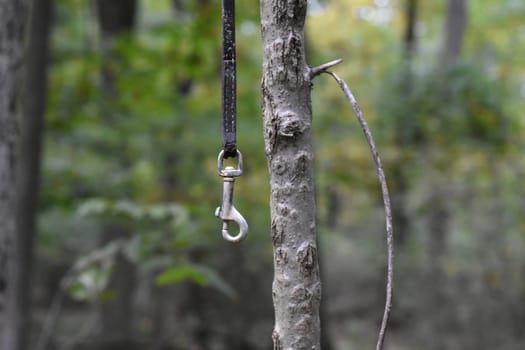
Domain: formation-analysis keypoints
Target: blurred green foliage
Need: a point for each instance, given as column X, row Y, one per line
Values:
column 147, row 158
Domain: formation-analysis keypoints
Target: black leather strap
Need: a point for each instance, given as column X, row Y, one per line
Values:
column 229, row 90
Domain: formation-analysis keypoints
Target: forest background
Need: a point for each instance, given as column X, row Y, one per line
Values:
column 128, row 254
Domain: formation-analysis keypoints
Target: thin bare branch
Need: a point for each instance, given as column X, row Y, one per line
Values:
column 314, row 71
column 386, row 202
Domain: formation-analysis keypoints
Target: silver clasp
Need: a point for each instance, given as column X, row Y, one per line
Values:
column 227, row 212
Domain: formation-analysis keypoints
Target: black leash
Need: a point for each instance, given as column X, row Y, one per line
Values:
column 227, row 212
column 229, row 81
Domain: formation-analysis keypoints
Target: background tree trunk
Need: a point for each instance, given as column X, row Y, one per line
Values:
column 28, row 172
column 440, row 216
column 115, row 18
column 405, row 129
column 13, row 15
column 455, row 26
column 437, row 303
column 287, row 116
column 410, row 29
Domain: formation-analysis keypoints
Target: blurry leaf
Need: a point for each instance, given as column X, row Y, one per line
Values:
column 90, row 274
column 181, row 273
column 107, row 294
column 127, row 209
column 88, row 284
column 77, row 291
column 131, row 210
column 202, row 275
column 158, row 212
column 93, row 206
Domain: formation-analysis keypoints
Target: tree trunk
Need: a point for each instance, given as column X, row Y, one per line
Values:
column 437, row 305
column 287, row 113
column 455, row 26
column 28, row 172
column 13, row 15
column 405, row 129
column 410, row 29
column 115, row 18
column 117, row 311
column 439, row 215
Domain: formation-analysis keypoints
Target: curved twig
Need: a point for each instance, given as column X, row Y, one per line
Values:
column 386, row 202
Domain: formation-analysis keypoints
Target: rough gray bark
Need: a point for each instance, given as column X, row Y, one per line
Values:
column 12, row 29
column 287, row 121
column 455, row 26
column 28, row 171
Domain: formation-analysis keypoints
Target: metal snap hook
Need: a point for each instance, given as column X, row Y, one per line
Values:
column 236, row 217
column 227, row 212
